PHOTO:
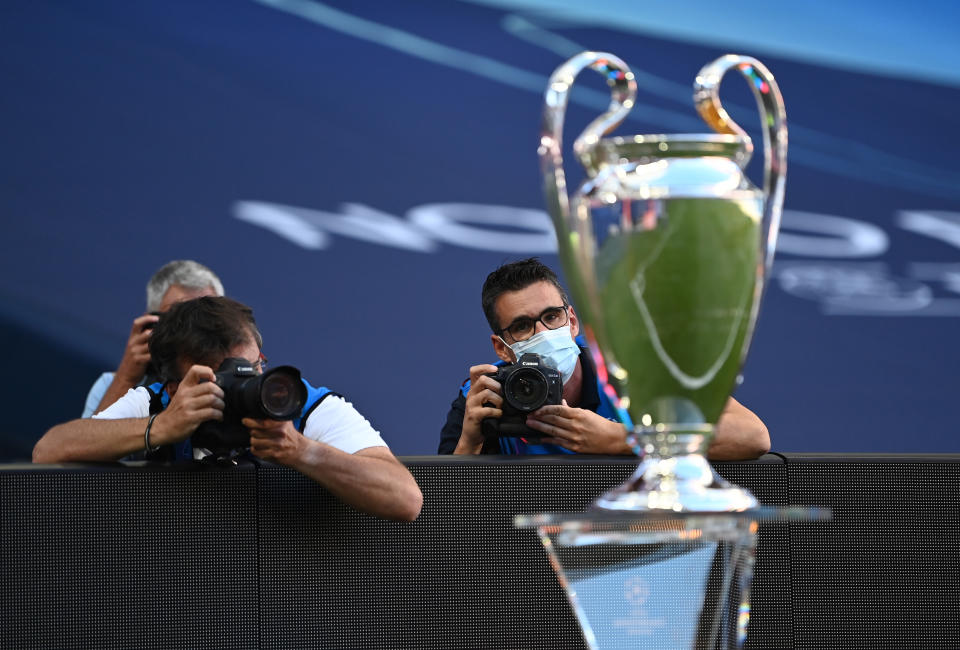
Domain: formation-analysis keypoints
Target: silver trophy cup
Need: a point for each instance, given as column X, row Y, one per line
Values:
column 665, row 247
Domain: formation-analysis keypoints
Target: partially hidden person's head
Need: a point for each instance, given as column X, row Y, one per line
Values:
column 204, row 331
column 181, row 280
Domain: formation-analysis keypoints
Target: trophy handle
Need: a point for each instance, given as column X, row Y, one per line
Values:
column 774, row 116
column 623, row 91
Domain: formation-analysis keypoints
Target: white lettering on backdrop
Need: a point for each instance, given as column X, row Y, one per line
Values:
column 830, row 248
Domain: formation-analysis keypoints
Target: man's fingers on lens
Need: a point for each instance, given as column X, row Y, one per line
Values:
column 142, row 327
column 484, row 405
column 556, row 427
column 485, row 384
column 201, row 405
column 554, row 413
column 539, row 425
column 202, row 378
column 210, row 414
column 557, row 433
column 489, row 398
column 265, row 428
column 204, row 396
column 558, row 436
column 212, row 400
column 479, row 372
column 199, row 374
column 207, row 392
column 489, row 411
column 137, row 326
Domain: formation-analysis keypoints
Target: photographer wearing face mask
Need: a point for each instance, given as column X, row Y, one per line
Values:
column 529, row 312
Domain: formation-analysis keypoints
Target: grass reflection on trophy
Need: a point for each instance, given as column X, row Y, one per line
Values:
column 665, row 247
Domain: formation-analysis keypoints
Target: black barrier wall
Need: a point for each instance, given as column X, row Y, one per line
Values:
column 260, row 557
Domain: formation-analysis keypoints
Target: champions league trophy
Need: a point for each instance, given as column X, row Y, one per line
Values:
column 665, row 247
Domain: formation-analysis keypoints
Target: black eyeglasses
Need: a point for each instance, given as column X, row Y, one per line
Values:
column 523, row 328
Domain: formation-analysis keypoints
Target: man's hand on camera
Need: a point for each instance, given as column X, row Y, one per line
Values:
column 196, row 400
column 136, row 356
column 579, row 430
column 483, row 401
column 276, row 441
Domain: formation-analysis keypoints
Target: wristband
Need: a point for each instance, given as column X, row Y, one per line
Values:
column 146, row 436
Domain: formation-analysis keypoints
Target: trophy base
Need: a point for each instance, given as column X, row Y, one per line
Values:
column 675, row 475
column 677, row 582
column 656, row 579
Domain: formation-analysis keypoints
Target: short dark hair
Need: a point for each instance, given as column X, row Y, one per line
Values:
column 515, row 276
column 200, row 329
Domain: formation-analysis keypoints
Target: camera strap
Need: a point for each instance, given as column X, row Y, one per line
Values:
column 159, row 399
column 314, row 397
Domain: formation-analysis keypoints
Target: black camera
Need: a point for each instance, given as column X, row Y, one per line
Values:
column 151, row 374
column 277, row 394
column 525, row 385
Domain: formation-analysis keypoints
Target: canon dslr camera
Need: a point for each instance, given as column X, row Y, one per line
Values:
column 525, row 385
column 277, row 394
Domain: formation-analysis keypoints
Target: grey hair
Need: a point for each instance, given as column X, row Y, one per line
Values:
column 187, row 274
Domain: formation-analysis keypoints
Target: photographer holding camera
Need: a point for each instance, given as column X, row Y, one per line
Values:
column 208, row 352
column 530, row 314
column 174, row 282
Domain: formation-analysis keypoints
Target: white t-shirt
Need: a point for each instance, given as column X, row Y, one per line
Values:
column 334, row 422
column 97, row 391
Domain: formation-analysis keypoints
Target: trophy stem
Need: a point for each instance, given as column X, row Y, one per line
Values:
column 675, row 475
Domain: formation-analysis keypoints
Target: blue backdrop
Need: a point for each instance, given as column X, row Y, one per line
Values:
column 354, row 170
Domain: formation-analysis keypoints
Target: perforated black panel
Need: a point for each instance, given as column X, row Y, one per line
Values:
column 100, row 557
column 459, row 577
column 771, row 619
column 885, row 572
column 115, row 558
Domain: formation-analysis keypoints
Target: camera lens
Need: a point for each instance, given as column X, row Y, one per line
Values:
column 277, row 394
column 526, row 389
column 280, row 395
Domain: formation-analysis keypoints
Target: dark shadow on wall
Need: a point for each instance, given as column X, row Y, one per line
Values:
column 45, row 383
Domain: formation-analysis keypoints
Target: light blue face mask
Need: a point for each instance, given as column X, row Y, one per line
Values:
column 556, row 347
